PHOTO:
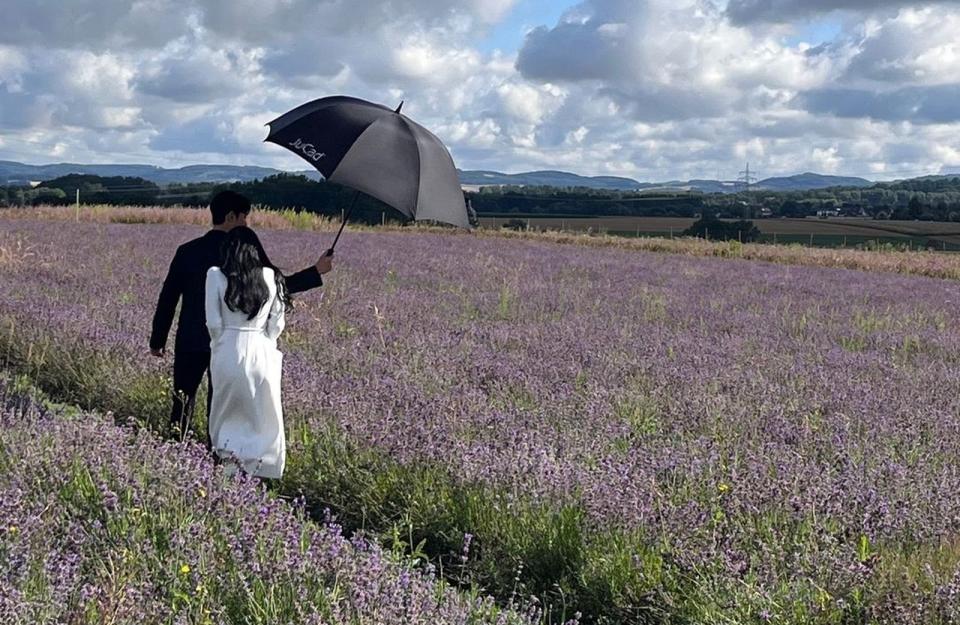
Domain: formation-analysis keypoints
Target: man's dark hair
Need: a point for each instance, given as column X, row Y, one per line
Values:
column 228, row 202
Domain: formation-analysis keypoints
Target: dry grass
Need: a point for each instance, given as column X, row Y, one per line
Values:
column 925, row 263
column 860, row 227
column 101, row 213
column 14, row 251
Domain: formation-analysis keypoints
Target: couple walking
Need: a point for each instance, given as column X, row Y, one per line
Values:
column 233, row 305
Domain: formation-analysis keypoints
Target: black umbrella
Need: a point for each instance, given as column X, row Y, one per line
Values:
column 376, row 150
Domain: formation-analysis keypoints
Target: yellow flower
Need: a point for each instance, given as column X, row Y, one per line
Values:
column 185, row 569
column 723, row 487
column 201, row 492
column 13, row 529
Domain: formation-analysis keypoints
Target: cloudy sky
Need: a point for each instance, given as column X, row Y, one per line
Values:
column 651, row 89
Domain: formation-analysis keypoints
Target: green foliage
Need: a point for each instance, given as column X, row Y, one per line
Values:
column 521, row 548
column 101, row 190
column 709, row 227
column 581, row 201
column 547, row 551
column 302, row 194
column 295, row 194
column 930, row 198
column 26, row 196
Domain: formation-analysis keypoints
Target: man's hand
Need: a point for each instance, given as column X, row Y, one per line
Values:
column 325, row 264
column 157, row 352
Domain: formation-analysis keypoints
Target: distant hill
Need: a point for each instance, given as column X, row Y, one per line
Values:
column 703, row 186
column 807, row 181
column 18, row 173
column 547, row 178
column 13, row 173
column 799, row 182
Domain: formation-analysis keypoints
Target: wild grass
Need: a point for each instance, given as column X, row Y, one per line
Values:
column 753, row 547
column 107, row 524
column 520, row 550
column 890, row 259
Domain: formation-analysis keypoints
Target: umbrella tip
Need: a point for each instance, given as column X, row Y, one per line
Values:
column 399, row 107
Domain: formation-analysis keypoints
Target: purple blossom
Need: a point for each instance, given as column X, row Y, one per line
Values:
column 749, row 422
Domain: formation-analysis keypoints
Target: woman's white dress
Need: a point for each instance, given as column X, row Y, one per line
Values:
column 246, row 416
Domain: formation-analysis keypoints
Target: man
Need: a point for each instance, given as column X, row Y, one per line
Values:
column 186, row 279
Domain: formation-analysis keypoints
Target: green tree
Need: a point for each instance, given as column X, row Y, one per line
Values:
column 708, row 227
column 914, row 208
column 105, row 190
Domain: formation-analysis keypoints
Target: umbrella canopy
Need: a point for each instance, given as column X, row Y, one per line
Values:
column 376, row 150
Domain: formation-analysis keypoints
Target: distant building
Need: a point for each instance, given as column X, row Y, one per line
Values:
column 832, row 212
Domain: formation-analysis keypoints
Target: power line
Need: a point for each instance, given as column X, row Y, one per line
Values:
column 746, row 178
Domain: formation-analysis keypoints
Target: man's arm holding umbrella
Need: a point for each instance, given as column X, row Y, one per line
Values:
column 167, row 305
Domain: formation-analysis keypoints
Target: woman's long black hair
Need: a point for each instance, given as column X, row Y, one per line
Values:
column 241, row 261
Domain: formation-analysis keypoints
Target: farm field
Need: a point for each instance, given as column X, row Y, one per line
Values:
column 635, row 436
column 829, row 232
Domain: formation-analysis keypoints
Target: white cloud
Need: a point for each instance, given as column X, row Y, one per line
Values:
column 654, row 89
column 194, row 74
column 667, row 60
column 914, row 47
column 93, row 24
column 529, row 103
column 13, row 63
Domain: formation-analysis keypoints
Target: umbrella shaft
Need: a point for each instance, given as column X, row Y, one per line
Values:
column 346, row 218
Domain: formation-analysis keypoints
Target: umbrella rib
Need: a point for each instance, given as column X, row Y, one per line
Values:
column 416, row 140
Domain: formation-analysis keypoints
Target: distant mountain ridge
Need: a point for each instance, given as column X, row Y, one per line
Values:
column 546, row 178
column 19, row 173
column 799, row 182
column 809, row 180
column 14, row 173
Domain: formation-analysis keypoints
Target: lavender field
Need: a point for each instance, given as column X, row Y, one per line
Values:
column 639, row 437
column 101, row 524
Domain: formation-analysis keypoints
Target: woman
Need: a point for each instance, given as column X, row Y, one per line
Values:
column 246, row 298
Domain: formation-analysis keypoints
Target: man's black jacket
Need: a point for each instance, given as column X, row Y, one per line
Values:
column 187, row 278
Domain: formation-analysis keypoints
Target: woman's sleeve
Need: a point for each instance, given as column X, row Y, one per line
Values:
column 212, row 303
column 275, row 321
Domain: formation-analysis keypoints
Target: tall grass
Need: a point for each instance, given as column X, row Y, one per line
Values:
column 519, row 551
column 882, row 258
column 770, row 474
column 522, row 551
column 106, row 524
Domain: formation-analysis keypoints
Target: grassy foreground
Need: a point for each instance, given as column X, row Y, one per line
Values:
column 737, row 544
column 515, row 551
column 107, row 524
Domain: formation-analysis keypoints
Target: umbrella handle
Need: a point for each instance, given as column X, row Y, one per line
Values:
column 346, row 217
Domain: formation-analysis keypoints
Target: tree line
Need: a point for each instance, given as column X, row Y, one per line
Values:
column 282, row 191
column 936, row 198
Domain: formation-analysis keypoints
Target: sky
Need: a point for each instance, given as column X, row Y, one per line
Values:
column 654, row 90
